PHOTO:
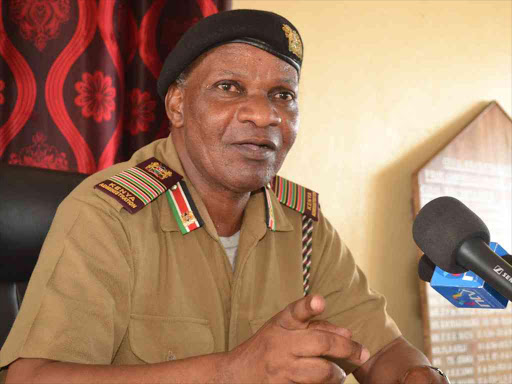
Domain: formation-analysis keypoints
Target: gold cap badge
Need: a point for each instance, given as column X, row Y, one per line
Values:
column 294, row 43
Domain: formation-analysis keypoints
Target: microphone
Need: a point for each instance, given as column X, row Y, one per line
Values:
column 507, row 258
column 463, row 290
column 456, row 240
column 426, row 267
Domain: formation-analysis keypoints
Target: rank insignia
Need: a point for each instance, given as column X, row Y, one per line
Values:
column 183, row 208
column 188, row 218
column 296, row 197
column 158, row 170
column 294, row 42
column 138, row 186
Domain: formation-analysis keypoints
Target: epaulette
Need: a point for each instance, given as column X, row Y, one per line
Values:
column 296, row 197
column 305, row 201
column 136, row 187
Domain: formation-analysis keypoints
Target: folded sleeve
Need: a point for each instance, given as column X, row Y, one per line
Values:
column 76, row 308
column 350, row 302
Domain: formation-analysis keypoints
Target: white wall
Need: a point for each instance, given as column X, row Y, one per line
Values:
column 385, row 85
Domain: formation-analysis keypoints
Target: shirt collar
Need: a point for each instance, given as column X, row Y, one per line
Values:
column 255, row 215
column 167, row 152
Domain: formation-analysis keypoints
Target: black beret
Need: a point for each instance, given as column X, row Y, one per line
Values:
column 266, row 30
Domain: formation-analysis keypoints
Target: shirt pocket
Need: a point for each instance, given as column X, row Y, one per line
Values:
column 155, row 339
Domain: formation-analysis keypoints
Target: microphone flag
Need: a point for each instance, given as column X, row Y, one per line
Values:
column 468, row 290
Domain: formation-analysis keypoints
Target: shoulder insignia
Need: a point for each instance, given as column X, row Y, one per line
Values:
column 296, row 197
column 138, row 186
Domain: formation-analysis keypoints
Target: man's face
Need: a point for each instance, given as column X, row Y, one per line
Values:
column 239, row 117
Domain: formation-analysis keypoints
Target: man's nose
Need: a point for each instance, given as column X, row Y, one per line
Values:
column 259, row 110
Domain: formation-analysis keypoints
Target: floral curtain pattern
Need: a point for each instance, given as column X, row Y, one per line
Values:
column 78, row 77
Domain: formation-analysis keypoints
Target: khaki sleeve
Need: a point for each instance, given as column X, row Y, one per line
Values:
column 350, row 303
column 77, row 304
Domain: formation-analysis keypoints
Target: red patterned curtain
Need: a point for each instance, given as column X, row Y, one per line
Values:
column 78, row 77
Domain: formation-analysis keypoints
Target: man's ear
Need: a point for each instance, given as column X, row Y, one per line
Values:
column 174, row 105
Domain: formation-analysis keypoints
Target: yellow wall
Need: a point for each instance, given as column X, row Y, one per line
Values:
column 385, row 85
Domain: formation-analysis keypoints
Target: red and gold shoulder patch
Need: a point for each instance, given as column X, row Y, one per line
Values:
column 138, row 186
column 296, row 197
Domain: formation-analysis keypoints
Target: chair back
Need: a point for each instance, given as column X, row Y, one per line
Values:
column 28, row 200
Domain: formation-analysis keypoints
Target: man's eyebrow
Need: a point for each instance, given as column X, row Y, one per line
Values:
column 229, row 73
column 290, row 81
column 224, row 72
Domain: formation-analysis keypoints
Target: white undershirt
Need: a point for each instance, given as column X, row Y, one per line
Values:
column 230, row 244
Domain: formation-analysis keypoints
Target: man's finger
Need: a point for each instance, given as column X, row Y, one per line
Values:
column 316, row 370
column 320, row 343
column 298, row 314
column 323, row 325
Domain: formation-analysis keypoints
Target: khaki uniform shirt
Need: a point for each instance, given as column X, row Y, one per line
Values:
column 112, row 287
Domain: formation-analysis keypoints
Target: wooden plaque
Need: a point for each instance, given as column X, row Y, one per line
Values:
column 471, row 345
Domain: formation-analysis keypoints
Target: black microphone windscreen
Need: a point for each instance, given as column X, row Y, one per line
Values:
column 426, row 268
column 441, row 226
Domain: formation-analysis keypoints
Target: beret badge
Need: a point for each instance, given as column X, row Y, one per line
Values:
column 294, row 43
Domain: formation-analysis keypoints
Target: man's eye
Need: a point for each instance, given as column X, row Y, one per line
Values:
column 227, row 87
column 286, row 96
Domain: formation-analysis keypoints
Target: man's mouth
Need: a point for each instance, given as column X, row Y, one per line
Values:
column 256, row 149
column 258, row 144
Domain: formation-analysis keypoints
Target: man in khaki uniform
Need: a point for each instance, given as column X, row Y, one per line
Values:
column 189, row 262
